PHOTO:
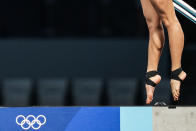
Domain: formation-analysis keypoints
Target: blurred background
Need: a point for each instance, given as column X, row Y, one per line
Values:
column 90, row 53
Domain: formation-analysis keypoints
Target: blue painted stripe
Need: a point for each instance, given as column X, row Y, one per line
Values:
column 184, row 7
column 95, row 119
column 186, row 16
column 136, row 119
column 62, row 118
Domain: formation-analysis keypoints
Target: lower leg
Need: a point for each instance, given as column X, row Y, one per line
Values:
column 176, row 43
column 155, row 47
column 176, row 39
column 156, row 41
column 166, row 12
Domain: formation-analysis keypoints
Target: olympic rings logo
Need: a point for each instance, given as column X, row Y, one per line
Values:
column 30, row 121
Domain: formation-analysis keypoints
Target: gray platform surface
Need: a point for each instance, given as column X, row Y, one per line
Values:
column 179, row 119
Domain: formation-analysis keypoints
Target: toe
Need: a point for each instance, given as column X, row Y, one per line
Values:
column 150, row 91
column 175, row 96
column 149, row 99
column 175, row 86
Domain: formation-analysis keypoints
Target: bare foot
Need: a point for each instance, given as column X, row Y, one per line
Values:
column 175, row 85
column 150, row 90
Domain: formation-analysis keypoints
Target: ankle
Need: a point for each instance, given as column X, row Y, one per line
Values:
column 175, row 67
column 151, row 69
column 156, row 78
column 182, row 75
